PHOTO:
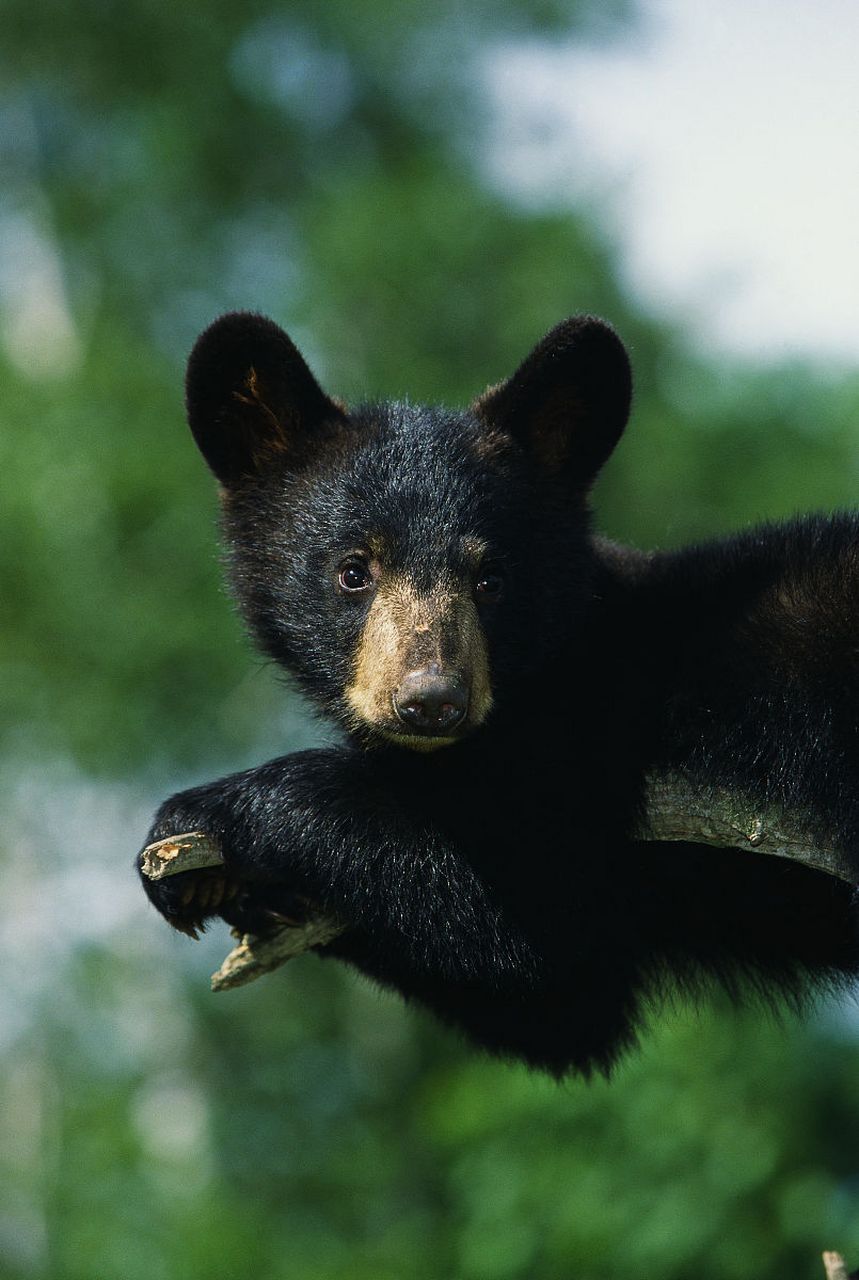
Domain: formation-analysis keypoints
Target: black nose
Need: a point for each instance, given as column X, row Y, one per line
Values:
column 431, row 703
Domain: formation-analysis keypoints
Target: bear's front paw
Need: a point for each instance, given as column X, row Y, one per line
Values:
column 252, row 894
column 190, row 898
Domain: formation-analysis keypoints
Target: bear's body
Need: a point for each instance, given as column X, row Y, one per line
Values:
column 505, row 681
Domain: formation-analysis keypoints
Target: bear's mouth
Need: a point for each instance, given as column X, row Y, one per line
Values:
column 413, row 740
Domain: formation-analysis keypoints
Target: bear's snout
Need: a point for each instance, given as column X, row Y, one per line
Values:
column 431, row 701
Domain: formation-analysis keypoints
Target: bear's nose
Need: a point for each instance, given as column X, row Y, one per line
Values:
column 430, row 702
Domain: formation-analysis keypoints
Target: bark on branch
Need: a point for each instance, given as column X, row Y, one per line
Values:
column 675, row 809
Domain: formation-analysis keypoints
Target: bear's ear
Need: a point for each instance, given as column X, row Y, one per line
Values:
column 567, row 403
column 251, row 399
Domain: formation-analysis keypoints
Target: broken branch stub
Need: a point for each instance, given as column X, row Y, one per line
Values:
column 190, row 851
column 252, row 957
column 675, row 810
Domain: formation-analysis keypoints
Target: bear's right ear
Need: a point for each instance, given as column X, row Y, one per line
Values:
column 568, row 402
column 251, row 399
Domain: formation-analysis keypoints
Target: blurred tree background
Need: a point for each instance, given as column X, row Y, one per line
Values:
column 322, row 163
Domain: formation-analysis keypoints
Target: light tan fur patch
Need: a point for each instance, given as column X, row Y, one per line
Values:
column 406, row 631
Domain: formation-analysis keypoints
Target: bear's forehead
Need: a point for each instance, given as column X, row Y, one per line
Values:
column 416, row 471
column 404, row 525
column 410, row 491
column 401, row 438
column 429, row 455
column 408, row 485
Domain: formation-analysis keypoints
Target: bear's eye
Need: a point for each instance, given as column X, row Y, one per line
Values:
column 489, row 586
column 354, row 576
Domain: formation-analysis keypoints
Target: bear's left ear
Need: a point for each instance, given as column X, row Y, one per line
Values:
column 568, row 402
column 251, row 399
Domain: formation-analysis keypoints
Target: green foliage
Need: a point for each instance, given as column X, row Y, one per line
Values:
column 322, row 163
column 310, row 1128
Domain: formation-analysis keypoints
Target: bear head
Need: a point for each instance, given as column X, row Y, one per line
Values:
column 406, row 564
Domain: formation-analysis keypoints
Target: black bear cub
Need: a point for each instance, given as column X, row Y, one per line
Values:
column 504, row 680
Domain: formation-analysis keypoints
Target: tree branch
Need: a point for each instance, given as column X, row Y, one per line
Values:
column 675, row 809
column 678, row 809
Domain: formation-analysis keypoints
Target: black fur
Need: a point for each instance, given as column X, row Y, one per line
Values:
column 493, row 880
